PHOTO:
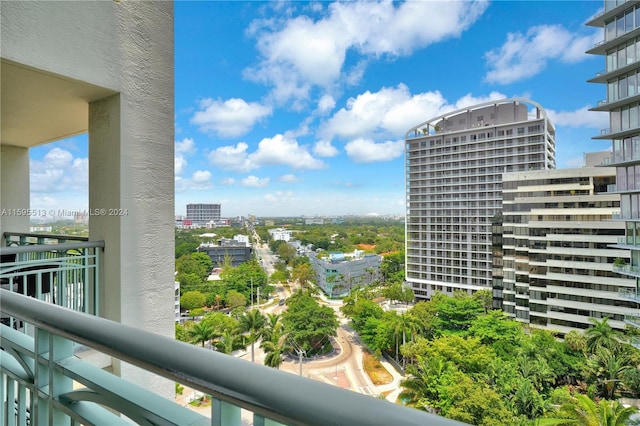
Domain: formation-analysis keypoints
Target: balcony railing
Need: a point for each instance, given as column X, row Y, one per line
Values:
column 27, row 239
column 629, row 293
column 633, row 320
column 44, row 384
column 65, row 274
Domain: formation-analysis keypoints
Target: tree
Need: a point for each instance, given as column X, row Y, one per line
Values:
column 201, row 332
column 192, row 299
column 392, row 267
column 607, row 369
column 455, row 314
column 304, row 274
column 580, row 410
column 309, row 323
column 235, row 299
column 601, row 335
column 252, row 322
column 229, row 341
column 286, row 252
column 274, row 349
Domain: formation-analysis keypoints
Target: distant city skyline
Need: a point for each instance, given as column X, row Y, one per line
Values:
column 289, row 109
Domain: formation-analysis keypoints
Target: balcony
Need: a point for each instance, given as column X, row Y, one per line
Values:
column 633, row 320
column 633, row 271
column 629, row 294
column 58, row 269
column 47, row 384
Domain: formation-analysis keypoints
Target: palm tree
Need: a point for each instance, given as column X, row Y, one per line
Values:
column 252, row 322
column 275, row 349
column 425, row 380
column 601, row 335
column 201, row 332
column 229, row 342
column 273, row 325
column 580, row 410
column 607, row 369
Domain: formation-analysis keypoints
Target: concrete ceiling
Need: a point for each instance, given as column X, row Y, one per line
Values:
column 37, row 107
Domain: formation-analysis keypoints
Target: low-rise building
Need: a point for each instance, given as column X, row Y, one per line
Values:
column 280, row 234
column 237, row 252
column 339, row 273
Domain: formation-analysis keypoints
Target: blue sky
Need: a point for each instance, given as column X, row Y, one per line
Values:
column 300, row 108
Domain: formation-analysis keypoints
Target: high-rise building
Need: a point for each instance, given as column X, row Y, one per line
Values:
column 621, row 49
column 202, row 214
column 454, row 167
column 558, row 261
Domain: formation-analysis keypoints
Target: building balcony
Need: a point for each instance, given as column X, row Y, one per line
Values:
column 633, row 320
column 58, row 269
column 629, row 294
column 47, row 385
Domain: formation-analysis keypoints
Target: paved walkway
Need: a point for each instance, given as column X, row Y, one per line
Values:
column 343, row 368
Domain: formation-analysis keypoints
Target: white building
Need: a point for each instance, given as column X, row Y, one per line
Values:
column 454, row 166
column 106, row 69
column 556, row 241
column 243, row 239
column 203, row 214
column 280, row 234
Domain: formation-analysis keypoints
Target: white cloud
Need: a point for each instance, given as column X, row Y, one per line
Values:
column 201, row 176
column 228, row 181
column 199, row 180
column 59, row 171
column 581, row 117
column 326, row 103
column 278, row 150
column 325, row 149
column 367, row 151
column 301, row 52
column 183, row 148
column 180, row 164
column 230, row 157
column 525, row 55
column 390, row 112
column 284, row 198
column 289, row 178
column 254, row 181
column 231, row 118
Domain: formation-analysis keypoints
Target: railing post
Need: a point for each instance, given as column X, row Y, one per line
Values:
column 50, row 383
column 225, row 414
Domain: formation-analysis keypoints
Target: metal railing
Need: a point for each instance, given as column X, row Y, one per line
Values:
column 39, row 374
column 65, row 274
column 629, row 293
column 29, row 238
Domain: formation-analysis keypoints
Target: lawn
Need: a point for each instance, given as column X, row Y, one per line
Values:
column 376, row 371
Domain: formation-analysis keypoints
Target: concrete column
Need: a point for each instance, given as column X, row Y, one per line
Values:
column 131, row 201
column 14, row 189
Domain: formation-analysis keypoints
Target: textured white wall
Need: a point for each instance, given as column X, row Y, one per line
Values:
column 14, row 193
column 126, row 47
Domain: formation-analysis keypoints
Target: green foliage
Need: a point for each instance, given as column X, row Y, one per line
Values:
column 456, row 314
column 308, row 323
column 392, row 267
column 398, row 292
column 234, row 299
column 201, row 332
column 473, row 364
column 192, row 299
column 194, row 263
column 581, row 410
column 252, row 323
